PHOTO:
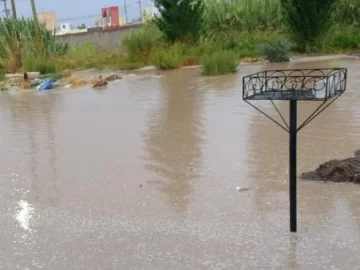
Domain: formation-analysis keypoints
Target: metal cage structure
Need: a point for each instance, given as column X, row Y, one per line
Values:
column 293, row 85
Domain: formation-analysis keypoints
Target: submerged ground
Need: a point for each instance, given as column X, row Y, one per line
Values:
column 143, row 175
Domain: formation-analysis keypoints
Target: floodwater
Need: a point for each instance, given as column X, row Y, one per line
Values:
column 143, row 175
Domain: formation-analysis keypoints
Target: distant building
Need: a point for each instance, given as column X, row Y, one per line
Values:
column 49, row 19
column 110, row 18
column 67, row 28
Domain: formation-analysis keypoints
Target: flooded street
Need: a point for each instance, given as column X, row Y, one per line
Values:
column 143, row 175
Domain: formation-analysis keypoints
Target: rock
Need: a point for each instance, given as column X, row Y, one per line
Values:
column 99, row 82
column 113, row 77
column 347, row 170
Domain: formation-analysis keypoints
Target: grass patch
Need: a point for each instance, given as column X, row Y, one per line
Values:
column 340, row 39
column 2, row 74
column 140, row 45
column 170, row 58
column 219, row 63
column 86, row 55
column 55, row 76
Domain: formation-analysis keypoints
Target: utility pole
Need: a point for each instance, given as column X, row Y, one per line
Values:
column 140, row 10
column 13, row 8
column 6, row 10
column 126, row 14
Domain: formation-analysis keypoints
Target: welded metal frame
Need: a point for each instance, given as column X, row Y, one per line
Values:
column 293, row 85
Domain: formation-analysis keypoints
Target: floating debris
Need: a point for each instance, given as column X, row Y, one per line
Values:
column 242, row 189
column 113, row 77
column 75, row 80
column 99, row 82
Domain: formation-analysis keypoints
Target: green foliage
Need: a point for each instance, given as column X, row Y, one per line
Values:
column 2, row 74
column 55, row 76
column 219, row 63
column 307, row 21
column 346, row 12
column 169, row 58
column 17, row 44
column 46, row 67
column 341, row 39
column 82, row 26
column 30, row 63
column 84, row 55
column 223, row 16
column 180, row 20
column 277, row 51
column 140, row 44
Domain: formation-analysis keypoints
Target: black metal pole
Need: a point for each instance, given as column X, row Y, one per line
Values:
column 292, row 163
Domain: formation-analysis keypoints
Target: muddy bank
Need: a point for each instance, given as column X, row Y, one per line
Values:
column 347, row 170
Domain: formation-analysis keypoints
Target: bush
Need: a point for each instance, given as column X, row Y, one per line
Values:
column 55, row 76
column 308, row 21
column 46, row 67
column 86, row 55
column 2, row 74
column 276, row 52
column 140, row 44
column 219, row 63
column 169, row 58
column 179, row 20
column 341, row 38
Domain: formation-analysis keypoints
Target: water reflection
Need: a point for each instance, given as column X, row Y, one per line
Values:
column 173, row 139
column 36, row 114
column 24, row 213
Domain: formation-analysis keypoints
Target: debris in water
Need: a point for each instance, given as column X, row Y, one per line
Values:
column 113, row 77
column 347, row 170
column 99, row 82
column 242, row 189
column 75, row 80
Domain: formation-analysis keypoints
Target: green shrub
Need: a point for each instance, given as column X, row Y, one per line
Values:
column 2, row 74
column 169, row 58
column 46, row 67
column 86, row 55
column 219, row 63
column 140, row 44
column 179, row 20
column 55, row 76
column 307, row 21
column 277, row 51
column 341, row 38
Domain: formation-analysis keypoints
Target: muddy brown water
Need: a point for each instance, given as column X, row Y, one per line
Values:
column 143, row 175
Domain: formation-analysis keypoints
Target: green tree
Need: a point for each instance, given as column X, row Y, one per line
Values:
column 179, row 19
column 307, row 20
column 82, row 26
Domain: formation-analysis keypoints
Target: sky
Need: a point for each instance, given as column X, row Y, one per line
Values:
column 77, row 11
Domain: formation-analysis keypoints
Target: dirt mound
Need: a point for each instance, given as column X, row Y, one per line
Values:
column 347, row 170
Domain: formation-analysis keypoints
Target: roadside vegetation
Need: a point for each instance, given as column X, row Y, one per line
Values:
column 214, row 33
